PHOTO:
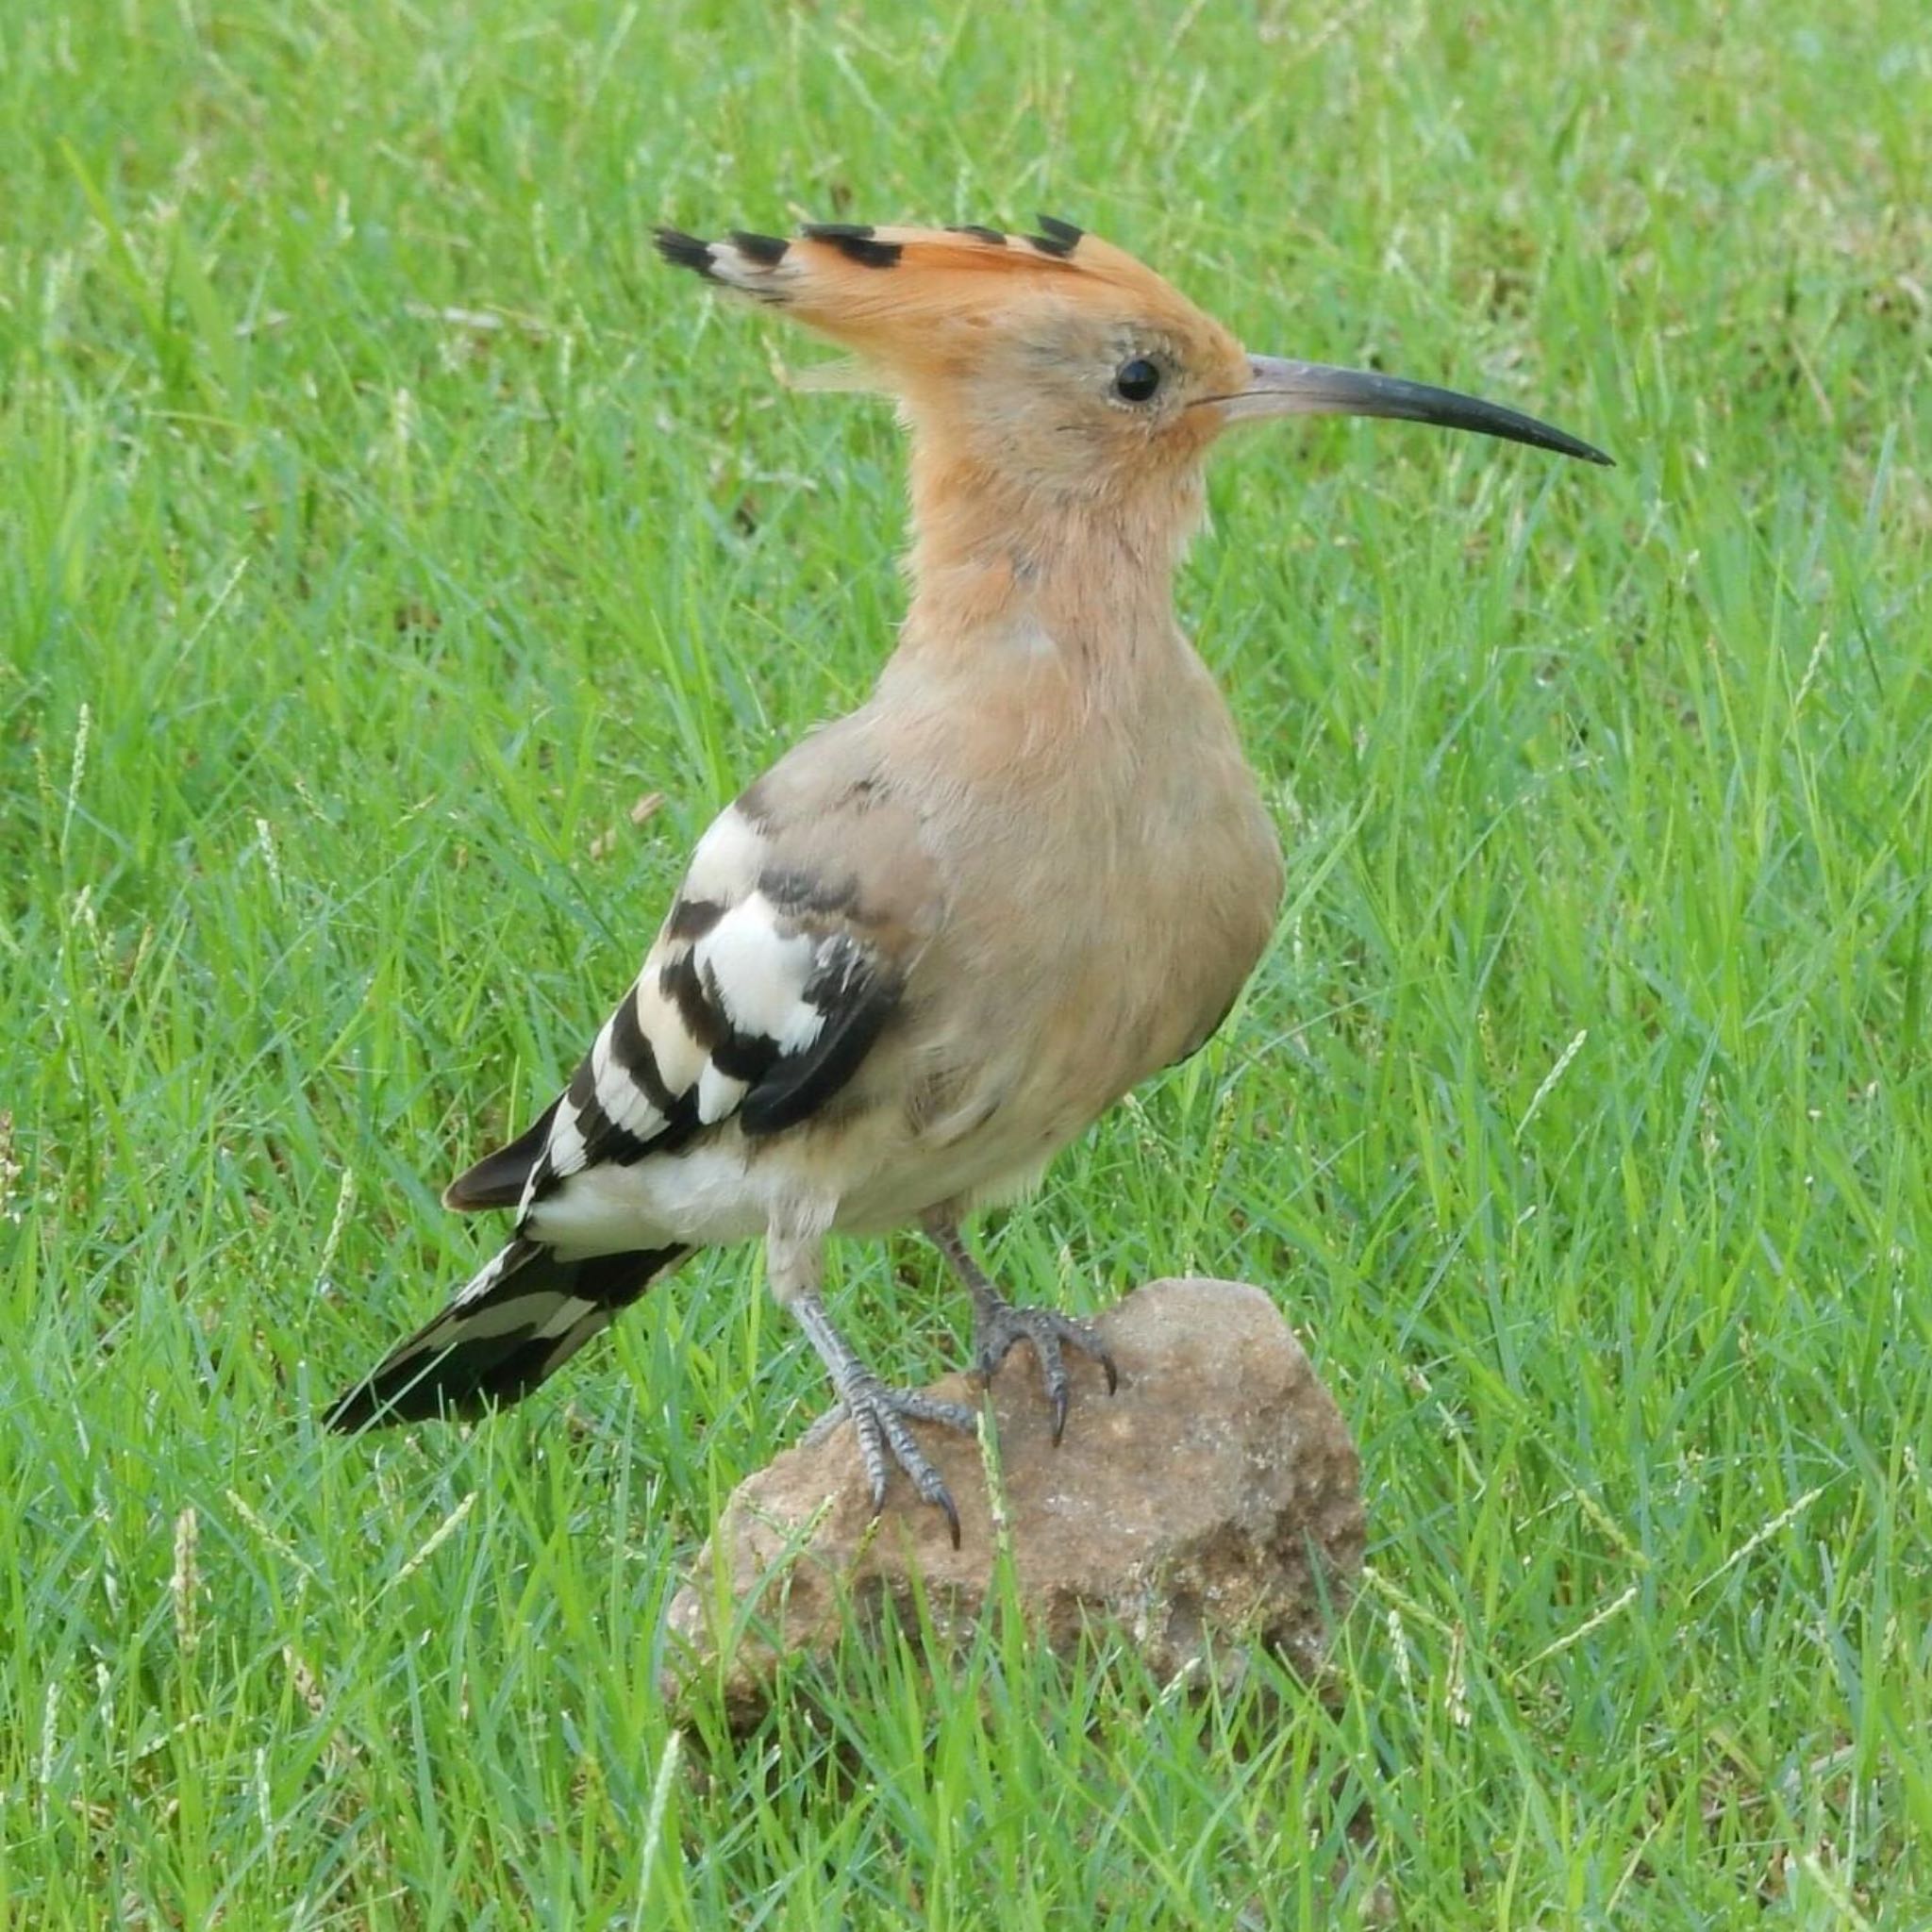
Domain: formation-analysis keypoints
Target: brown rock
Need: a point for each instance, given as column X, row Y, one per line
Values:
column 1216, row 1498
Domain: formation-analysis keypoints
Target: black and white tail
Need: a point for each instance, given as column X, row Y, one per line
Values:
column 519, row 1320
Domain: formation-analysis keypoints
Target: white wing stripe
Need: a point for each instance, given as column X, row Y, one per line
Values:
column 625, row 1102
column 759, row 972
column 559, row 1320
column 727, row 861
column 802, row 1029
column 565, row 1148
column 718, row 1094
column 681, row 1059
column 484, row 1278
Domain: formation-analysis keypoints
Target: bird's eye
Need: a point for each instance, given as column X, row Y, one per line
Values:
column 1136, row 379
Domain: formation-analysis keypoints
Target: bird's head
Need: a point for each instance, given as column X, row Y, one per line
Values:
column 1053, row 372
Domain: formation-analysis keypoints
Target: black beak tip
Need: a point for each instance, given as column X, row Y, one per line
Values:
column 1560, row 443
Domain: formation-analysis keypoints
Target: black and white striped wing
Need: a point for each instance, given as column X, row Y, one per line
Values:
column 757, row 1003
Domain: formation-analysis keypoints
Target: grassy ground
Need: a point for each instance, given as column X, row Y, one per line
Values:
column 380, row 523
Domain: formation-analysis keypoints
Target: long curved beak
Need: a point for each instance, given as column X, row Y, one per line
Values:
column 1278, row 387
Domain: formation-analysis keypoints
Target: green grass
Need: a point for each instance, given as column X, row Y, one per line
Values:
column 380, row 521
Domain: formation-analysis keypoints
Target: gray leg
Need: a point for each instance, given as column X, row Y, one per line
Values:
column 878, row 1414
column 997, row 1325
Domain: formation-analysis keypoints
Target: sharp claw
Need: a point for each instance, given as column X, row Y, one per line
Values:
column 879, row 1416
column 1002, row 1326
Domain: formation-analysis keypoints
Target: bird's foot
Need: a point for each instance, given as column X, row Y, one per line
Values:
column 997, row 1325
column 879, row 1416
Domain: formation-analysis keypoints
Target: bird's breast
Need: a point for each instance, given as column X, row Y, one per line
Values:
column 1101, row 919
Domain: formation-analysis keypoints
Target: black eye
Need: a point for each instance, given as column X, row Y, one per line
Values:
column 1136, row 379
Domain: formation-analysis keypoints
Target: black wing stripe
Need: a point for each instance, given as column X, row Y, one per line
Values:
column 631, row 1053
column 498, row 1179
column 606, row 1141
column 685, row 990
column 692, row 918
column 781, row 1089
column 801, row 1083
column 744, row 1056
column 707, row 1014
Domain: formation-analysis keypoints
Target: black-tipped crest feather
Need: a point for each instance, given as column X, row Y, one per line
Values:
column 855, row 241
column 685, row 251
column 768, row 251
column 1056, row 237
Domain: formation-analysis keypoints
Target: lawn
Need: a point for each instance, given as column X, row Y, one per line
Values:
column 400, row 566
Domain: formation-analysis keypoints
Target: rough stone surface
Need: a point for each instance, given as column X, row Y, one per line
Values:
column 1215, row 1499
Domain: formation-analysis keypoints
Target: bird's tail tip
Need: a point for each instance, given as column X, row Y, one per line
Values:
column 511, row 1327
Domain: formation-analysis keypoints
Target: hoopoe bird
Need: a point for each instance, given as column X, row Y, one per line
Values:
column 940, row 936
